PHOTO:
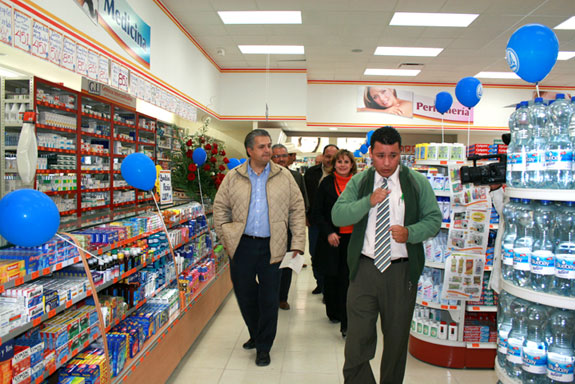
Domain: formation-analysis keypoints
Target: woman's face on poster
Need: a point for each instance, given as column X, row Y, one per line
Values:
column 383, row 96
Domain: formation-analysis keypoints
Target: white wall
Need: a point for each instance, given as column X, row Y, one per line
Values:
column 245, row 94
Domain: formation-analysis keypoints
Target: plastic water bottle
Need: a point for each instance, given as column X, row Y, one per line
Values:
column 523, row 244
column 534, row 352
column 520, row 149
column 560, row 352
column 511, row 147
column 572, row 125
column 516, row 338
column 542, row 256
column 509, row 236
column 537, row 144
column 565, row 251
column 504, row 317
column 559, row 155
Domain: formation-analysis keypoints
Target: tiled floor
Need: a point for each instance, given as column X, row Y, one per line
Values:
column 307, row 349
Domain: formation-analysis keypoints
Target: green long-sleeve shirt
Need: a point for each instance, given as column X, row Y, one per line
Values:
column 422, row 215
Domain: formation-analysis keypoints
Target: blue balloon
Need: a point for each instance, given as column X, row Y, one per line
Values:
column 363, row 149
column 469, row 91
column 357, row 153
column 443, row 101
column 139, row 171
column 28, row 218
column 369, row 134
column 199, row 156
column 532, row 52
column 233, row 163
column 243, row 160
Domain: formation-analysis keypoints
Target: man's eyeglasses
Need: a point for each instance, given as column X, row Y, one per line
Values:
column 278, row 156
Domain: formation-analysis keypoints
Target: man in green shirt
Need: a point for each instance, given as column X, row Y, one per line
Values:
column 393, row 210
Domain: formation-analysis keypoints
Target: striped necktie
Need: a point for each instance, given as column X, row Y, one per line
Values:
column 382, row 256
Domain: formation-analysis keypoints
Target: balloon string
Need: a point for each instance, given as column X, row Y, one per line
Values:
column 166, row 232
column 201, row 194
column 537, row 88
column 77, row 246
column 442, row 132
column 468, row 126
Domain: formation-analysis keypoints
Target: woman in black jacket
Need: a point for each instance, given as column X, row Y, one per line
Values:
column 332, row 242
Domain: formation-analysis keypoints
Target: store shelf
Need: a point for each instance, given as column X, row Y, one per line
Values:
column 84, row 133
column 87, row 153
column 471, row 345
column 542, row 194
column 58, row 150
column 90, row 116
column 442, row 193
column 432, row 264
column 489, row 267
column 94, row 208
column 146, row 130
column 11, row 148
column 502, row 375
column 161, row 339
column 444, row 163
column 53, row 128
column 53, row 193
column 124, row 204
column 124, row 140
column 430, row 304
column 93, row 171
column 66, row 213
column 96, row 190
column 120, row 124
column 539, row 297
column 166, row 148
column 481, row 308
column 19, row 330
column 143, row 143
column 444, row 225
column 55, row 106
column 120, row 156
column 434, row 340
column 11, row 171
column 17, row 101
column 123, row 188
column 67, row 358
column 52, row 171
column 13, row 124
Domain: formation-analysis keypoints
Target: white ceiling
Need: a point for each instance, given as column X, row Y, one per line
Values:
column 332, row 28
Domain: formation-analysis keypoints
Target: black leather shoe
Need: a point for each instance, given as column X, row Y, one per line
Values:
column 316, row 291
column 250, row 344
column 263, row 359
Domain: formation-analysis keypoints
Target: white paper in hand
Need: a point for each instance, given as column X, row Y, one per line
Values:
column 295, row 263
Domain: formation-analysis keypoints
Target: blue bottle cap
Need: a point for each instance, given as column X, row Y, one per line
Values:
column 538, row 99
column 560, row 96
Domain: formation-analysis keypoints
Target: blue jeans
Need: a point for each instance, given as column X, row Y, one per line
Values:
column 313, row 234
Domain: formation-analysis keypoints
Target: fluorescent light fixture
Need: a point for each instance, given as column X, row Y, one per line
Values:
column 433, row 19
column 407, row 51
column 497, row 75
column 567, row 24
column 9, row 73
column 272, row 49
column 391, row 72
column 260, row 17
column 565, row 55
column 333, row 128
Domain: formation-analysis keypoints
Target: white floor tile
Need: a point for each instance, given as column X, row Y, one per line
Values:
column 308, row 349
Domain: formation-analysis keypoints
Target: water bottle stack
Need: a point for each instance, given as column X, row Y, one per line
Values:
column 540, row 154
column 535, row 342
column 538, row 245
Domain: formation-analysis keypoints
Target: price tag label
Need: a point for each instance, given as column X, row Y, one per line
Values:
column 69, row 303
column 476, row 308
column 22, row 31
column 5, row 23
column 52, row 313
column 40, row 40
column 422, row 303
column 68, row 59
column 58, row 266
column 46, row 271
column 19, row 281
column 475, row 345
column 36, row 322
column 35, row 275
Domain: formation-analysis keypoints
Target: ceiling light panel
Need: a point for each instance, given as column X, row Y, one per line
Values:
column 272, row 49
column 565, row 55
column 391, row 72
column 4, row 72
column 260, row 17
column 407, row 51
column 497, row 75
column 567, row 24
column 415, row 19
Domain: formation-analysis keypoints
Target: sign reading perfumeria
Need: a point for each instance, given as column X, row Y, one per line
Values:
column 127, row 28
column 123, row 24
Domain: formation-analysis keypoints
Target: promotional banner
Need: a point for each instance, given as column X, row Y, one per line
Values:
column 405, row 103
column 463, row 278
column 166, row 187
column 40, row 40
column 5, row 23
column 56, row 42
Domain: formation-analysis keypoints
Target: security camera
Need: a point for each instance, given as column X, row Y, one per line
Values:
column 221, row 52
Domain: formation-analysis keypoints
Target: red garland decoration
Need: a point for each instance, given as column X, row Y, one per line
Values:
column 189, row 154
column 214, row 151
column 222, row 168
column 189, row 143
column 191, row 176
column 213, row 160
column 207, row 167
column 208, row 146
column 226, row 160
column 192, row 167
column 222, row 152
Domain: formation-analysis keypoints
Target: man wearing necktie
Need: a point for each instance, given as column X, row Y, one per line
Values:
column 393, row 210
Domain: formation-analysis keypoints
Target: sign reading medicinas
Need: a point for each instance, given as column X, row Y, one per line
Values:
column 127, row 28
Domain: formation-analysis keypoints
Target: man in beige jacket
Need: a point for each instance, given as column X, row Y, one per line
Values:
column 255, row 205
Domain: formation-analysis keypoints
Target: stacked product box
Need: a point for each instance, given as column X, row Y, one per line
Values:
column 6, row 355
column 169, row 297
column 27, row 298
column 480, row 327
column 488, row 296
column 30, row 356
column 35, row 259
column 478, row 150
column 87, row 368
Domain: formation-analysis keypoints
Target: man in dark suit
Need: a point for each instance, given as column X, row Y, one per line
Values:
column 313, row 177
column 280, row 156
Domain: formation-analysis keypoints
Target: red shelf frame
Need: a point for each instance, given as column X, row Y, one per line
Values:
column 95, row 208
column 51, row 193
column 119, row 123
column 124, row 140
column 95, row 135
column 95, row 117
column 55, row 106
column 57, row 150
column 52, row 128
column 86, row 153
column 96, row 190
column 51, row 171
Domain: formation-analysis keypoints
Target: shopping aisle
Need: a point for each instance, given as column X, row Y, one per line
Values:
column 308, row 349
